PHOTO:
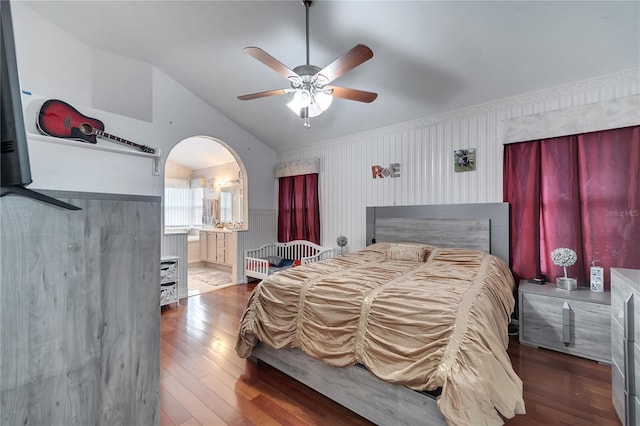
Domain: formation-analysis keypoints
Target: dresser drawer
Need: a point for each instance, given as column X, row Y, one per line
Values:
column 620, row 293
column 588, row 332
column 617, row 348
column 635, row 381
column 617, row 391
column 618, row 398
column 625, row 344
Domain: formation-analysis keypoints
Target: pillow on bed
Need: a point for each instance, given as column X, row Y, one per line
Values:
column 285, row 263
column 273, row 260
column 278, row 262
column 412, row 252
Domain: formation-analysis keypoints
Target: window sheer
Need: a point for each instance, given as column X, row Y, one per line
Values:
column 183, row 204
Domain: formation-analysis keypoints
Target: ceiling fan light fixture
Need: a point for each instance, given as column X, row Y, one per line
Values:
column 302, row 97
column 315, row 103
column 295, row 104
column 323, row 100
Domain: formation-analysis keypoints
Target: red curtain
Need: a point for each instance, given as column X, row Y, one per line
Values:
column 299, row 208
column 581, row 192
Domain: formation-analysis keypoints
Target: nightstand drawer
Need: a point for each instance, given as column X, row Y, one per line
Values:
column 559, row 322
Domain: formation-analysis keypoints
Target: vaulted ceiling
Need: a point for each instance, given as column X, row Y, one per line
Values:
column 429, row 57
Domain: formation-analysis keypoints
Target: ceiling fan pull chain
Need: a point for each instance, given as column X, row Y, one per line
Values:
column 304, row 114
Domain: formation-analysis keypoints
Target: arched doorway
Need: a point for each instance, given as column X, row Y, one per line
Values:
column 205, row 205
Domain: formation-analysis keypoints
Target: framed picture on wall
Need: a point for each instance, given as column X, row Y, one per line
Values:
column 464, row 160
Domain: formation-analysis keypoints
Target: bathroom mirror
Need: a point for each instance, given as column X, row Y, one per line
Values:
column 231, row 204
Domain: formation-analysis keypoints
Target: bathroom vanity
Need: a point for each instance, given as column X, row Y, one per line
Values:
column 219, row 246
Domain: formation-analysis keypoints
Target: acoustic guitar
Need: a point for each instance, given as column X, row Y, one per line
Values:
column 60, row 120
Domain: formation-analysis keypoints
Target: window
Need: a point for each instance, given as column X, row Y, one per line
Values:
column 226, row 207
column 298, row 208
column 182, row 204
column 197, row 195
column 580, row 192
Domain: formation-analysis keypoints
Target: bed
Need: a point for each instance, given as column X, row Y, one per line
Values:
column 349, row 327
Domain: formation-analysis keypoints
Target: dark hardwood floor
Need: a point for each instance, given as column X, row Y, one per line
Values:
column 203, row 382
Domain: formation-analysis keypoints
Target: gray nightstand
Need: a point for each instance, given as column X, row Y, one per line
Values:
column 576, row 322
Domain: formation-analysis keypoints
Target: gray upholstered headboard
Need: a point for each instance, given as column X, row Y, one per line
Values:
column 478, row 226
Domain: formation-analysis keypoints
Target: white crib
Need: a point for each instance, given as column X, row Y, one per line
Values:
column 257, row 264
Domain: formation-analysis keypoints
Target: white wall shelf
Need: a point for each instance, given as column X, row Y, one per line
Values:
column 69, row 165
column 87, row 145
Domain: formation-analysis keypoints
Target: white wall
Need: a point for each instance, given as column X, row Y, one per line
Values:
column 129, row 90
column 424, row 148
column 52, row 64
column 51, row 61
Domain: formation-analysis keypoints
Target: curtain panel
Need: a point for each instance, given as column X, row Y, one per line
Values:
column 298, row 208
column 581, row 192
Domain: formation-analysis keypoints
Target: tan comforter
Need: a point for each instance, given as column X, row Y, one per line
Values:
column 414, row 315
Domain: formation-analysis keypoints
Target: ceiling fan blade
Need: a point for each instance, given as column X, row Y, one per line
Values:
column 264, row 94
column 270, row 61
column 354, row 57
column 352, row 94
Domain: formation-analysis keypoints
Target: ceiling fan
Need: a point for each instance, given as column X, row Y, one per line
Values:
column 310, row 85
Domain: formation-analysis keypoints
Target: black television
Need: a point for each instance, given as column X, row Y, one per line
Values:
column 15, row 170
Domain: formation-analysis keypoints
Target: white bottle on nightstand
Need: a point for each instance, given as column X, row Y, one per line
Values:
column 597, row 278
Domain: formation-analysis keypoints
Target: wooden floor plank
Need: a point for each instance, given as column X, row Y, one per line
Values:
column 243, row 400
column 203, row 382
column 192, row 403
column 175, row 412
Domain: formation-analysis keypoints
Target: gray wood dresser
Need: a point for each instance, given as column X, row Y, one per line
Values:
column 576, row 322
column 625, row 344
column 80, row 317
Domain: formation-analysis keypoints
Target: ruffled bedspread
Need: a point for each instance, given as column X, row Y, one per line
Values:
column 414, row 315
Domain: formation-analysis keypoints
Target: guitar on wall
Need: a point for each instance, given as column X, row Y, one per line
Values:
column 61, row 120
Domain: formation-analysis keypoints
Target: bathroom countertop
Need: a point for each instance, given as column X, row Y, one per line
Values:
column 213, row 229
column 175, row 231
